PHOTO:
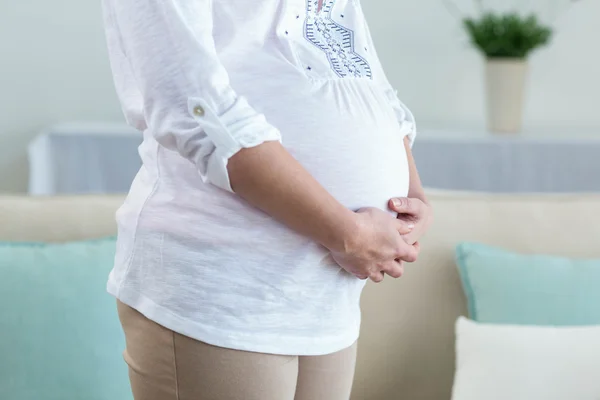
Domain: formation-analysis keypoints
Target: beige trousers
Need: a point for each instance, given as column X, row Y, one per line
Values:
column 164, row 365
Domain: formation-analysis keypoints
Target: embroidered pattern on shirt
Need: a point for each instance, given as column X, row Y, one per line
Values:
column 335, row 40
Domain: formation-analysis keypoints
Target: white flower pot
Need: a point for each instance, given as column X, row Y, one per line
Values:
column 505, row 92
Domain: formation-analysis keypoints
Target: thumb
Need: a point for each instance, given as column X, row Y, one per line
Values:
column 401, row 205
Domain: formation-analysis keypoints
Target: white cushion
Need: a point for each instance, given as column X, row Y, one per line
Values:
column 499, row 362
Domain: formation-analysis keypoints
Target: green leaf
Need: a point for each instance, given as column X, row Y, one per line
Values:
column 507, row 35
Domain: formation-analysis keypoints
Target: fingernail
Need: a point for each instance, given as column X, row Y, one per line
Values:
column 396, row 202
column 411, row 226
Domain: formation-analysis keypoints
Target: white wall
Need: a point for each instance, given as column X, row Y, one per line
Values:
column 53, row 68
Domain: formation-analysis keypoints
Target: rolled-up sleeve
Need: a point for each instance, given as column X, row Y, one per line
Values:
column 188, row 103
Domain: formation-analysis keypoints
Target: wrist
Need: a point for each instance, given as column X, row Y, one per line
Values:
column 345, row 233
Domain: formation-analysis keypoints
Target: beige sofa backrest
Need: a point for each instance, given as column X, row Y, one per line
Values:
column 57, row 219
column 407, row 345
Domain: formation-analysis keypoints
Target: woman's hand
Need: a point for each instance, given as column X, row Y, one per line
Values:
column 413, row 212
column 376, row 246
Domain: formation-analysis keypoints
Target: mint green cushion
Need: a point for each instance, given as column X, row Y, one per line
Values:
column 60, row 337
column 504, row 287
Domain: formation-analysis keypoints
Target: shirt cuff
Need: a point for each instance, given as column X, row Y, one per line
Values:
column 237, row 127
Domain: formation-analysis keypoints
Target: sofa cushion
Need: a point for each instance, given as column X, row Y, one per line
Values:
column 518, row 362
column 510, row 288
column 61, row 338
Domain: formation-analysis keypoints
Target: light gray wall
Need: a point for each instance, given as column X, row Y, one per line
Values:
column 53, row 68
column 438, row 74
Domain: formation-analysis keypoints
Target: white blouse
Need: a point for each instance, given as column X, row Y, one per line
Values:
column 203, row 79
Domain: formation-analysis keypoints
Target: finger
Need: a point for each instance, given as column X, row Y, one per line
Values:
column 407, row 252
column 377, row 277
column 394, row 269
column 417, row 247
column 403, row 227
column 405, row 205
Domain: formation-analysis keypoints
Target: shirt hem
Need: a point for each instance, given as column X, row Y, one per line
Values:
column 294, row 346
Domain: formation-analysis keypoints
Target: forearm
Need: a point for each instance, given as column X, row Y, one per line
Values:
column 269, row 178
column 415, row 189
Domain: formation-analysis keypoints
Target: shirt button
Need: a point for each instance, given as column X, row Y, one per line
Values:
column 198, row 111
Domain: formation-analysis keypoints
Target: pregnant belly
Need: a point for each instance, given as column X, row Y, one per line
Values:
column 349, row 140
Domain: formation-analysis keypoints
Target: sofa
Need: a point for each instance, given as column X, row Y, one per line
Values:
column 406, row 349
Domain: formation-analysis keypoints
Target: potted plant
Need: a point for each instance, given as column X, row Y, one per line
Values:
column 505, row 39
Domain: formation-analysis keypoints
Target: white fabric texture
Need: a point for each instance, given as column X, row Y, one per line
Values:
column 198, row 259
column 499, row 362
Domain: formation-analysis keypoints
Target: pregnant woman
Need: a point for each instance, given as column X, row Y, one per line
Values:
column 274, row 150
